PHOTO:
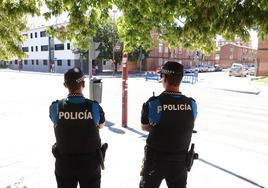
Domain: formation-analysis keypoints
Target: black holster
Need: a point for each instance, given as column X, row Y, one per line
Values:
column 191, row 156
column 102, row 152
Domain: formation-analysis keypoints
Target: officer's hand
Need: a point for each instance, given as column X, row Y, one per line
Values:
column 100, row 126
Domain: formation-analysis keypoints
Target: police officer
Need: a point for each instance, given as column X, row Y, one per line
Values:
column 77, row 121
column 169, row 119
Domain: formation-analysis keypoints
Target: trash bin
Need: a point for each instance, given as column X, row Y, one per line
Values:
column 97, row 89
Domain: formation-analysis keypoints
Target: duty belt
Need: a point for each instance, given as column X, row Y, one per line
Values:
column 165, row 156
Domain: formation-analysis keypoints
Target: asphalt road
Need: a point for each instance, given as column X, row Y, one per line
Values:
column 232, row 127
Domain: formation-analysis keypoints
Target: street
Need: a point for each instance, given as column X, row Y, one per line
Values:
column 231, row 138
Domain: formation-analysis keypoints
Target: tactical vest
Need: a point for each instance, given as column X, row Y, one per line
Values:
column 76, row 131
column 172, row 121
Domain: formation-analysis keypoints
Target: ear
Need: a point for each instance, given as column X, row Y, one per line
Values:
column 165, row 78
column 65, row 85
column 83, row 84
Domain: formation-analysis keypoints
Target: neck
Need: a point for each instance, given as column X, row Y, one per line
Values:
column 78, row 92
column 172, row 88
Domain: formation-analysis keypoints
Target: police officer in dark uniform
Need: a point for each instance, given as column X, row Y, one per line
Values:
column 77, row 121
column 169, row 119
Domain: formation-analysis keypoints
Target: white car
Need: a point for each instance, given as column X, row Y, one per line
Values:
column 237, row 69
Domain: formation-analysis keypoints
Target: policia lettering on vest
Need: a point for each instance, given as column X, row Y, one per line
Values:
column 78, row 150
column 169, row 119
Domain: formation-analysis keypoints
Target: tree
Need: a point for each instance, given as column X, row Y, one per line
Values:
column 12, row 23
column 190, row 24
column 107, row 35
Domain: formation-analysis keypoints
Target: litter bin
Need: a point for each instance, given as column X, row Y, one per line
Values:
column 97, row 89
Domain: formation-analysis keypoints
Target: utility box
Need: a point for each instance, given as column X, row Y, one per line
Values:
column 97, row 89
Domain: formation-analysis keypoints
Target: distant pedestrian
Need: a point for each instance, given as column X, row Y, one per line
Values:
column 77, row 121
column 169, row 119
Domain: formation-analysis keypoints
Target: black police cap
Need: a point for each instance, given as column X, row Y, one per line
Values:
column 74, row 75
column 172, row 68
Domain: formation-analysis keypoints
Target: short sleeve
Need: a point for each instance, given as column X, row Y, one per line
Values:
column 194, row 109
column 102, row 115
column 53, row 112
column 145, row 113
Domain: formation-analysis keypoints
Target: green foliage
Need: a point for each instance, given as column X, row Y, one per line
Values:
column 107, row 35
column 12, row 23
column 84, row 16
column 190, row 24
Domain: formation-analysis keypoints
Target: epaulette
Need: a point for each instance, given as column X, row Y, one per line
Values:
column 152, row 98
column 191, row 99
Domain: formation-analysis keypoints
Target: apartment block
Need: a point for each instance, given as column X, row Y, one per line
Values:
column 46, row 54
column 232, row 53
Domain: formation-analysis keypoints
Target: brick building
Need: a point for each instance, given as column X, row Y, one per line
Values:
column 232, row 53
column 162, row 53
column 262, row 58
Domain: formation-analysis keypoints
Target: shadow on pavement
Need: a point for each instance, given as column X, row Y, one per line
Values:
column 231, row 173
column 137, row 132
column 110, row 125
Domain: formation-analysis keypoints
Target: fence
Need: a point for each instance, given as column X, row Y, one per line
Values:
column 190, row 78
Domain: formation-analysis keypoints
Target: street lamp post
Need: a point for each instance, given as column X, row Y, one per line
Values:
column 113, row 43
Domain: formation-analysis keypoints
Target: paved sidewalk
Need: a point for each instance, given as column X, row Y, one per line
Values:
column 26, row 136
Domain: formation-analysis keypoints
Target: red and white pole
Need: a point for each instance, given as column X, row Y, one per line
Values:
column 124, row 90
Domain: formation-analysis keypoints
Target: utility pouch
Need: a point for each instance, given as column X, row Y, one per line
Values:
column 102, row 152
column 191, row 156
column 55, row 151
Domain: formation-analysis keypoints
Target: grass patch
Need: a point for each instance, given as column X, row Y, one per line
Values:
column 262, row 80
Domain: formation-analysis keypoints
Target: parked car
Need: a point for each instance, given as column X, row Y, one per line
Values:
column 217, row 68
column 211, row 68
column 237, row 69
column 252, row 71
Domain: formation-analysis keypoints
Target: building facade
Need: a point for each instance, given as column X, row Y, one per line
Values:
column 262, row 58
column 46, row 54
column 162, row 53
column 232, row 53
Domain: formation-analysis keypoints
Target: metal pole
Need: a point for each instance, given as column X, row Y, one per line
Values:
column 113, row 45
column 90, row 57
column 125, row 90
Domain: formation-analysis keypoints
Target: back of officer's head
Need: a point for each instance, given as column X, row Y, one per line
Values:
column 173, row 72
column 74, row 79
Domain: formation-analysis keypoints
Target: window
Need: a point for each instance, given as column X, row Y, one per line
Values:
column 25, row 62
column 59, row 62
column 16, row 62
column 10, row 62
column 31, row 35
column 44, row 48
column 36, row 48
column 37, row 62
column 44, row 62
column 35, row 34
column 25, row 35
column 32, row 48
column 25, row 49
column 59, row 46
column 69, row 62
column 32, row 62
column 43, row 34
column 68, row 46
